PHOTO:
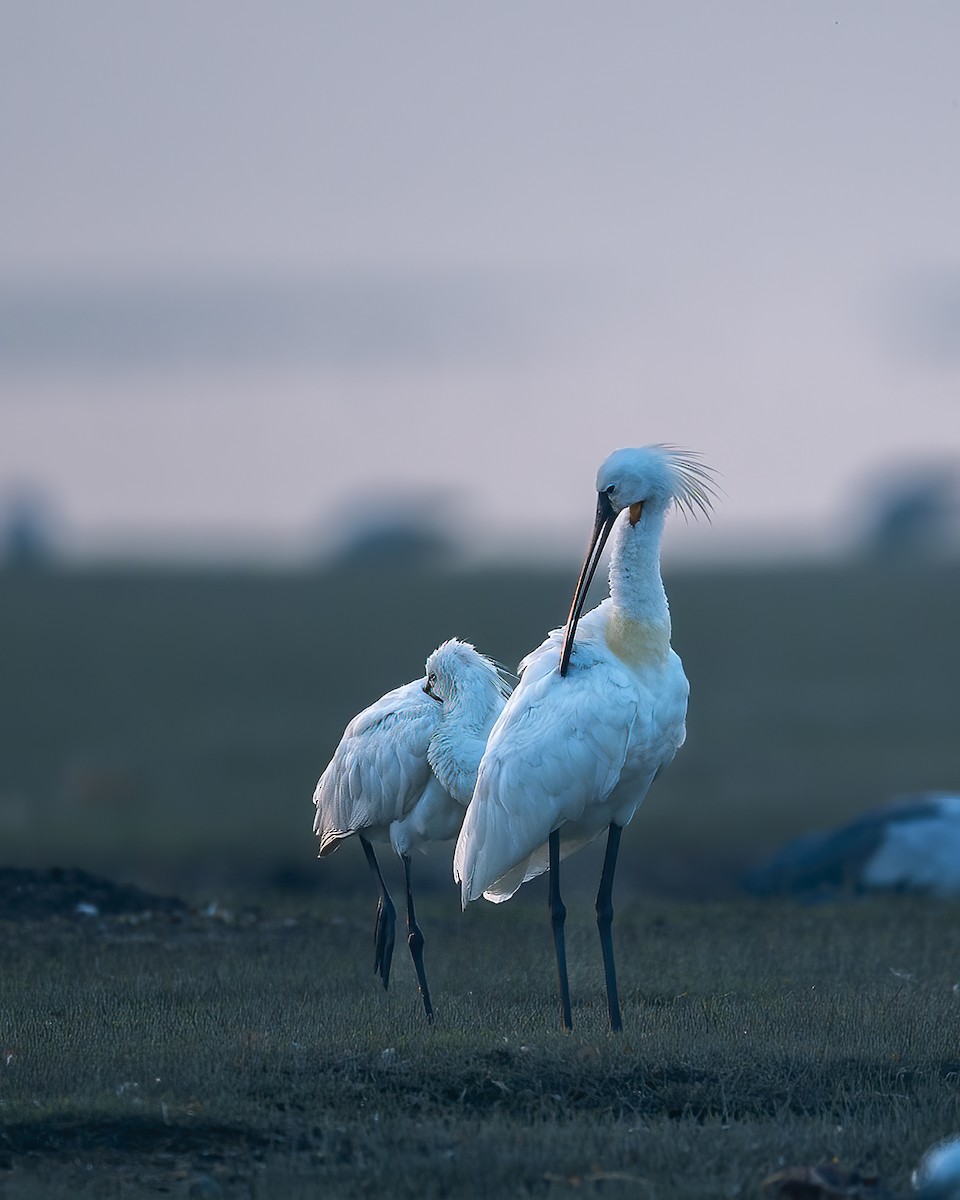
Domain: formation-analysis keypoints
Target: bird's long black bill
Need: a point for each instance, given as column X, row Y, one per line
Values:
column 601, row 531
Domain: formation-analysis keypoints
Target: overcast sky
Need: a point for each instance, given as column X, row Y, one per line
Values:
column 262, row 263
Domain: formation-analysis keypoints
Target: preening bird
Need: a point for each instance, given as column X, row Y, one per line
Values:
column 600, row 709
column 404, row 771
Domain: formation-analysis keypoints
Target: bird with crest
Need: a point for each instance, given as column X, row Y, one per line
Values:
column 599, row 711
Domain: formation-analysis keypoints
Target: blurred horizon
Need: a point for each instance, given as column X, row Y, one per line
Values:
column 268, row 275
column 906, row 514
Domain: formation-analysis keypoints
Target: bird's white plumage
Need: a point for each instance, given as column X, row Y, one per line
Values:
column 579, row 751
column 920, row 854
column 937, row 1177
column 909, row 845
column 405, row 766
column 379, row 770
column 566, row 767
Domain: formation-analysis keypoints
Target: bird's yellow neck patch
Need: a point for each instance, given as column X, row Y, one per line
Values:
column 637, row 643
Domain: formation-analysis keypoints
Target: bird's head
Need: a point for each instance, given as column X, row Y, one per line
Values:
column 456, row 667
column 653, row 478
column 647, row 479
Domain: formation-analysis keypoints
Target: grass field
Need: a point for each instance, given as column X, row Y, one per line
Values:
column 261, row 1058
column 168, row 728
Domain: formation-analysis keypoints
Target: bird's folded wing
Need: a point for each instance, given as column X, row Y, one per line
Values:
column 558, row 747
column 436, row 817
column 380, row 768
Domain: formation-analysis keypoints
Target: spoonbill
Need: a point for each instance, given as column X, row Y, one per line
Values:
column 404, row 771
column 938, row 1175
column 599, row 711
column 911, row 845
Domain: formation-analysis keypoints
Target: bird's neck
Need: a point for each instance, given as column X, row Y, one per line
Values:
column 457, row 746
column 638, row 628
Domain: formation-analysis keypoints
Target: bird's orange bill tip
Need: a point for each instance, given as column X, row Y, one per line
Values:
column 601, row 531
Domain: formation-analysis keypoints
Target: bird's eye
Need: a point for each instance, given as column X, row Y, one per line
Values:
column 432, row 677
column 610, row 489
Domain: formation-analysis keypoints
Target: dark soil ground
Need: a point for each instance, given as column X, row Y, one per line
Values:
column 28, row 894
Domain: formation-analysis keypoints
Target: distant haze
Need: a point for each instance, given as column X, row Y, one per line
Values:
column 265, row 270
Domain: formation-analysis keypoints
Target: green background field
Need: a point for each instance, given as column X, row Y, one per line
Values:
column 170, row 726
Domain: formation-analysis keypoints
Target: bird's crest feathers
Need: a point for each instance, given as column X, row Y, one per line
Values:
column 696, row 486
column 663, row 473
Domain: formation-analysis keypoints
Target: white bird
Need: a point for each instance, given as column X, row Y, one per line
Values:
column 404, row 771
column 938, row 1175
column 598, row 712
column 912, row 845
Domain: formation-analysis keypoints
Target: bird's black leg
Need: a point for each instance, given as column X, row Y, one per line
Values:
column 383, row 930
column 558, row 914
column 415, row 943
column 605, row 923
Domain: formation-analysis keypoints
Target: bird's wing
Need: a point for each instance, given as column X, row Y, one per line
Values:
column 558, row 746
column 379, row 770
column 436, row 817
